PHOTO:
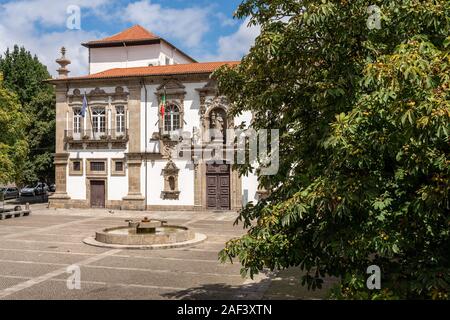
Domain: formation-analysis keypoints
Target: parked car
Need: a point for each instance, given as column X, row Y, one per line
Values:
column 30, row 190
column 10, row 192
column 52, row 188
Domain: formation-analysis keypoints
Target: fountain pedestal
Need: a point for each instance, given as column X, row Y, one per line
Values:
column 148, row 227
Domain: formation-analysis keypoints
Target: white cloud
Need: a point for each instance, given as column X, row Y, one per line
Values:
column 46, row 12
column 18, row 20
column 188, row 25
column 236, row 45
column 40, row 26
column 226, row 21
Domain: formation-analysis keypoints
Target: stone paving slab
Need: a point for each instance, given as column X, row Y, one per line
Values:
column 41, row 257
column 57, row 290
column 36, row 250
column 153, row 278
column 155, row 263
column 34, row 255
column 25, row 269
column 45, row 246
column 188, row 255
column 6, row 282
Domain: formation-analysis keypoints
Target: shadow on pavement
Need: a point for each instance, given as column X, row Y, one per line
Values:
column 219, row 291
column 286, row 285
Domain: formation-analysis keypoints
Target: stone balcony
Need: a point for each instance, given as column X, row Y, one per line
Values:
column 90, row 139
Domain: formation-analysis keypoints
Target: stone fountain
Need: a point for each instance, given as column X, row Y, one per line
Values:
column 145, row 234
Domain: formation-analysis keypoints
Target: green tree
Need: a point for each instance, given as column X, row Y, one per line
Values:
column 364, row 116
column 24, row 75
column 13, row 146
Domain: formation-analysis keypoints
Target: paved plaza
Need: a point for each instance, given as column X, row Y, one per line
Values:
column 35, row 252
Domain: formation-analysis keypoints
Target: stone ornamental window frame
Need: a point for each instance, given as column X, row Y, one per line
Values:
column 73, row 172
column 113, row 167
column 99, row 114
column 120, row 119
column 169, row 172
column 98, row 98
column 175, row 93
column 89, row 172
column 115, row 104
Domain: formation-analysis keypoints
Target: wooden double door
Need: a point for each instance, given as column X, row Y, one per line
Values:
column 218, row 186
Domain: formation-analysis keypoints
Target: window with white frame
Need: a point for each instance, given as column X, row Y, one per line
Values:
column 77, row 121
column 99, row 120
column 120, row 119
column 171, row 118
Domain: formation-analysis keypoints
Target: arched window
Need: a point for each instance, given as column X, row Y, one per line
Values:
column 171, row 118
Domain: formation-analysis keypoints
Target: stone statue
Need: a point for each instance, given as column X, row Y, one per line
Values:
column 217, row 121
column 220, row 123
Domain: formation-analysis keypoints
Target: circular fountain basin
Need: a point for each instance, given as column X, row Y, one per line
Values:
column 128, row 236
column 164, row 237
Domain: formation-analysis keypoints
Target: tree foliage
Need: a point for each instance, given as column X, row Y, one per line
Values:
column 364, row 143
column 24, row 75
column 13, row 146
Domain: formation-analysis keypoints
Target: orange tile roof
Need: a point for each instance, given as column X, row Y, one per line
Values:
column 135, row 33
column 176, row 69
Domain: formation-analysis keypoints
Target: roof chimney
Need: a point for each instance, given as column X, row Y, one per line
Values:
column 63, row 62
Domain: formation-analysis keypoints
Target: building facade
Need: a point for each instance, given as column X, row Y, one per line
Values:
column 126, row 151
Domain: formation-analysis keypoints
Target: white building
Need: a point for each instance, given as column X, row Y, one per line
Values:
column 123, row 154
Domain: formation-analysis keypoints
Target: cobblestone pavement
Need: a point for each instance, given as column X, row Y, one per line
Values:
column 35, row 252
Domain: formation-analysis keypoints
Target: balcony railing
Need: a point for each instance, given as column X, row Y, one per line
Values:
column 92, row 135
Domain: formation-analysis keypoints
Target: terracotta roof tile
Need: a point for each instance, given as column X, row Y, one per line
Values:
column 135, row 33
column 176, row 69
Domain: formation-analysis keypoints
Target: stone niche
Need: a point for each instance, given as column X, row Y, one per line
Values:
column 170, row 174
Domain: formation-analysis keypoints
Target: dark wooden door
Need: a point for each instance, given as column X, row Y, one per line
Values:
column 218, row 186
column 97, row 194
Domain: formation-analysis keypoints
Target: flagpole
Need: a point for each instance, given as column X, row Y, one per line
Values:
column 90, row 116
column 162, row 109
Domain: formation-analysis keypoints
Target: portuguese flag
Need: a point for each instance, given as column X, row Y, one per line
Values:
column 163, row 104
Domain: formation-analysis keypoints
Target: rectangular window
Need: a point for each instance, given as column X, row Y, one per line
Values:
column 97, row 166
column 119, row 166
column 77, row 121
column 120, row 119
column 76, row 166
column 99, row 120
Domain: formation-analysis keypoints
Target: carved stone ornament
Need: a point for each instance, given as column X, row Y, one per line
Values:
column 170, row 174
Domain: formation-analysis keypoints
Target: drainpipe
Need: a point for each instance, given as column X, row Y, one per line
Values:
column 126, row 52
column 145, row 145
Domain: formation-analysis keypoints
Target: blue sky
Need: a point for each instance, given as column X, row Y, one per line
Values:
column 205, row 29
